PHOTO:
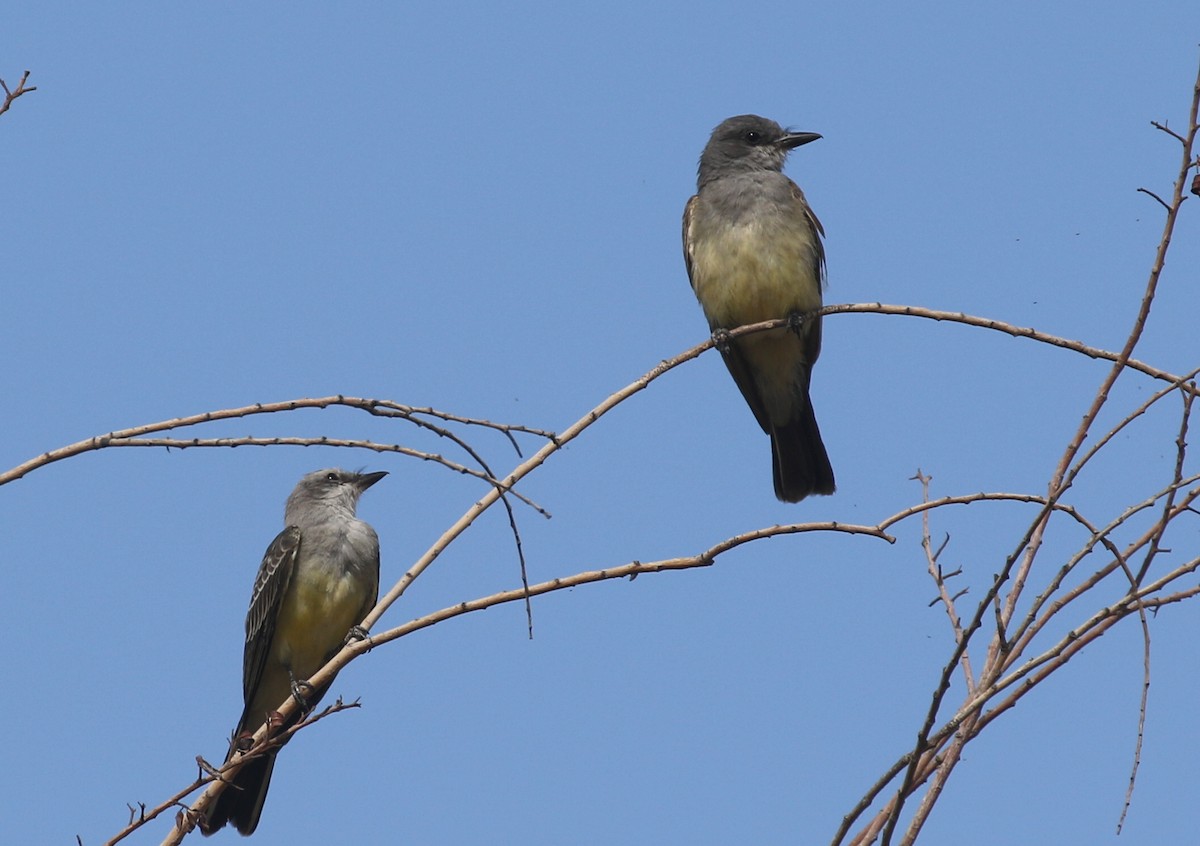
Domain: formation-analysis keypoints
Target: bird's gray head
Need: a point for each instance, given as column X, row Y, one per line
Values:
column 748, row 143
column 330, row 489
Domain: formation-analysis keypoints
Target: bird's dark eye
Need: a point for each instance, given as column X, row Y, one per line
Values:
column 331, row 476
column 753, row 137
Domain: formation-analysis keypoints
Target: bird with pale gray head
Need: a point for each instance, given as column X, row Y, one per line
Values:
column 318, row 579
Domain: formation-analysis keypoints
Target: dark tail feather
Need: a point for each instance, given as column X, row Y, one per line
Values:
column 798, row 459
column 241, row 802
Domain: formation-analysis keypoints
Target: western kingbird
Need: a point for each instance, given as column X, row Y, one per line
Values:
column 317, row 581
column 753, row 252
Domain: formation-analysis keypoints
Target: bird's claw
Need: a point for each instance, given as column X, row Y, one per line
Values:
column 795, row 322
column 359, row 633
column 301, row 690
column 721, row 339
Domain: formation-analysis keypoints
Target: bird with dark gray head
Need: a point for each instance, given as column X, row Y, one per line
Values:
column 753, row 252
column 318, row 579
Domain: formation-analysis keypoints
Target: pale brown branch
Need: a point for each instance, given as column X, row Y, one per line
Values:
column 97, row 442
column 967, row 499
column 631, row 569
column 1032, row 623
column 505, row 428
column 940, row 769
column 1141, row 722
column 155, row 812
column 1156, row 602
column 1188, row 391
column 933, row 565
column 1005, row 328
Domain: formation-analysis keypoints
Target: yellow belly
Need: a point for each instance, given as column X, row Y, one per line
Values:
column 749, row 273
column 317, row 613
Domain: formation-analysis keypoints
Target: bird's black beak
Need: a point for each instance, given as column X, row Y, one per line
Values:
column 365, row 480
column 794, row 139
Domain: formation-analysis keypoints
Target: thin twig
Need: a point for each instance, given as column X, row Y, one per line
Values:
column 933, row 562
column 1169, row 500
column 188, row 443
column 10, row 95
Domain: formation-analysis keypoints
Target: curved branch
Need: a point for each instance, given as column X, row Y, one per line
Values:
column 374, row 446
column 1007, row 329
column 378, row 408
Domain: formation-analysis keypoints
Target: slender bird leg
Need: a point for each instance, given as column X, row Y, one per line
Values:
column 795, row 322
column 301, row 690
column 359, row 633
column 720, row 339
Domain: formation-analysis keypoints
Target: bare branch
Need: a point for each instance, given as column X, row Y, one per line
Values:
column 939, row 580
column 1169, row 500
column 1161, row 201
column 10, row 95
column 1164, row 128
column 180, row 443
column 370, row 406
column 1006, row 328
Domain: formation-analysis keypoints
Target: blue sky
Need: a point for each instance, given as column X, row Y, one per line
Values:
column 476, row 208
